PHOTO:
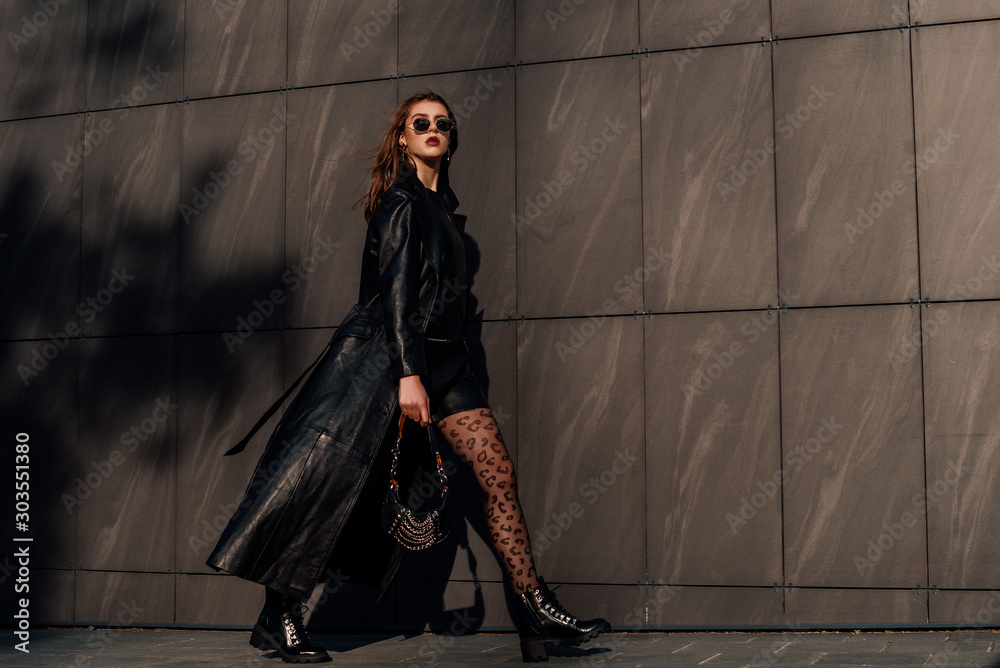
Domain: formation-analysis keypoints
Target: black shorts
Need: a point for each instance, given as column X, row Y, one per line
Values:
column 451, row 385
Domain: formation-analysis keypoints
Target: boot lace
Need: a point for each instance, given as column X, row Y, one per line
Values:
column 554, row 608
column 293, row 616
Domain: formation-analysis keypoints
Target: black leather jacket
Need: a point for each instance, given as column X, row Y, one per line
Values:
column 414, row 258
column 311, row 510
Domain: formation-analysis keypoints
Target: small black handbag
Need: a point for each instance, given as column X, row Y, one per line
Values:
column 411, row 529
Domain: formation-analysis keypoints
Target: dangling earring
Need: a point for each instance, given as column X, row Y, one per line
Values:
column 448, row 154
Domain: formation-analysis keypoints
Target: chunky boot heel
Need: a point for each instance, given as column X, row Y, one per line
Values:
column 258, row 640
column 533, row 650
column 540, row 618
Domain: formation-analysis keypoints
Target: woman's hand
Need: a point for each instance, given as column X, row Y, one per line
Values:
column 413, row 400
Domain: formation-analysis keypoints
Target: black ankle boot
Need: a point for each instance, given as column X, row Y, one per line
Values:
column 279, row 627
column 540, row 618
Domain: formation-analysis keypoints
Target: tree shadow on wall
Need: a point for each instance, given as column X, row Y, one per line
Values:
column 44, row 317
column 86, row 395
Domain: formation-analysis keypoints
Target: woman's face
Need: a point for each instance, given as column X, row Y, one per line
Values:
column 428, row 146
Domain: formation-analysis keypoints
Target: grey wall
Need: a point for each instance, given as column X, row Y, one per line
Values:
column 735, row 295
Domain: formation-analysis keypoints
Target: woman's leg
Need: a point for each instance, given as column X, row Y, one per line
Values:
column 475, row 436
column 540, row 618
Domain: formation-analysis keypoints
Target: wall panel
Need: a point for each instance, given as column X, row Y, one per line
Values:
column 130, row 221
column 695, row 24
column 442, row 36
column 234, row 47
column 578, row 187
column 555, row 30
column 218, row 599
column 127, row 454
column 332, row 42
column 581, row 463
column 956, row 162
column 232, row 213
column 962, row 386
column 41, row 178
column 324, row 238
column 966, row 609
column 43, row 404
column 794, row 18
column 941, row 11
column 850, row 419
column 135, row 52
column 846, row 211
column 43, row 67
column 817, row 607
column 127, row 599
column 673, row 606
column 708, row 182
column 713, row 450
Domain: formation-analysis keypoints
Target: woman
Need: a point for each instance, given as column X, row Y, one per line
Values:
column 312, row 504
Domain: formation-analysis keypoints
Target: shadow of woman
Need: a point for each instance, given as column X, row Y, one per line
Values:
column 419, row 591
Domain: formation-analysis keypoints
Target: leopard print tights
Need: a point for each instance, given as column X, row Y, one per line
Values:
column 475, row 437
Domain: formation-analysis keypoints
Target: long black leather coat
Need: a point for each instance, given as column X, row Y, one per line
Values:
column 310, row 511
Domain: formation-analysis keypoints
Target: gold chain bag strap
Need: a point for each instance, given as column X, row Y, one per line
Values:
column 415, row 530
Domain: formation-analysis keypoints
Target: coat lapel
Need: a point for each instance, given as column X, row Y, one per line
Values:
column 431, row 234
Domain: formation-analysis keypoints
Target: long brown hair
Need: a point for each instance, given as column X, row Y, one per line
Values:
column 388, row 160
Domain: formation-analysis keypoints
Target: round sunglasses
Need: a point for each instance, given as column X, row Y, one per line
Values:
column 422, row 125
